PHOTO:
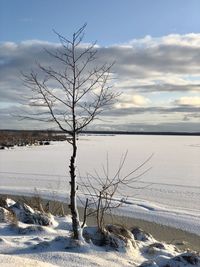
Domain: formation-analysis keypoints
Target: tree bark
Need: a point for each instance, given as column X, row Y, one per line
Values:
column 73, row 206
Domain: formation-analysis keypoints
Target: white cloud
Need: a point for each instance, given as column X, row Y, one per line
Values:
column 190, row 39
column 129, row 101
column 188, row 101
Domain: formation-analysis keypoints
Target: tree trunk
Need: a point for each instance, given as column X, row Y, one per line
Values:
column 73, row 206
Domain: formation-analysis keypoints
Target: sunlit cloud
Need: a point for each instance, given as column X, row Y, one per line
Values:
column 188, row 101
column 129, row 101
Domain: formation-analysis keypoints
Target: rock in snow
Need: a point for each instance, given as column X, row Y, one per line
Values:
column 4, row 215
column 26, row 214
column 141, row 235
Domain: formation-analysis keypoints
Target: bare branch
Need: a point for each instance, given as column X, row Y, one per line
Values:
column 106, row 196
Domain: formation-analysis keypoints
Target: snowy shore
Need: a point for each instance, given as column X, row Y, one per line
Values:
column 180, row 238
column 33, row 238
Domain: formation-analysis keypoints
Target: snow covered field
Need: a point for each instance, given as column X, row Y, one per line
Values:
column 169, row 193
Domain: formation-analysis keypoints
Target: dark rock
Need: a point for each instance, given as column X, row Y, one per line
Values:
column 184, row 259
column 26, row 214
column 46, row 143
column 3, row 203
column 154, row 248
column 157, row 245
column 149, row 263
column 189, row 257
column 4, row 215
column 30, row 229
column 92, row 234
column 119, row 231
column 141, row 235
column 114, row 236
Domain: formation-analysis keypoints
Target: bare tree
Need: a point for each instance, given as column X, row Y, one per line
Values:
column 71, row 93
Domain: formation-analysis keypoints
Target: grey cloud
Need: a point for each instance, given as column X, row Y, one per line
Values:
column 145, row 127
column 132, row 62
column 16, row 60
column 164, row 87
column 151, row 110
column 10, row 120
column 140, row 62
column 190, row 116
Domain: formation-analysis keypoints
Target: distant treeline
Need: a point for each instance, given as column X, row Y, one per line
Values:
column 56, row 134
column 141, row 133
column 9, row 138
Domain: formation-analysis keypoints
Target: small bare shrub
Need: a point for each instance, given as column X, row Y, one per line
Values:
column 107, row 196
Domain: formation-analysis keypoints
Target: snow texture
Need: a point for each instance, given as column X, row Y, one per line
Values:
column 53, row 246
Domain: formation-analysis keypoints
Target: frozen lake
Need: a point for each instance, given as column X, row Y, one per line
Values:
column 172, row 184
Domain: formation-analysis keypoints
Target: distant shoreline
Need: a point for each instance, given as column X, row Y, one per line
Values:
column 109, row 132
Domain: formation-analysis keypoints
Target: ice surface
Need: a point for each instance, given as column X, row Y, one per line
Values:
column 169, row 193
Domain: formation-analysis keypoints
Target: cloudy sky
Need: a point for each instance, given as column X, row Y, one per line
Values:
column 155, row 45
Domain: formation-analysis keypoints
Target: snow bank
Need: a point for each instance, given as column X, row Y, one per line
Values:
column 14, row 261
column 55, row 247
